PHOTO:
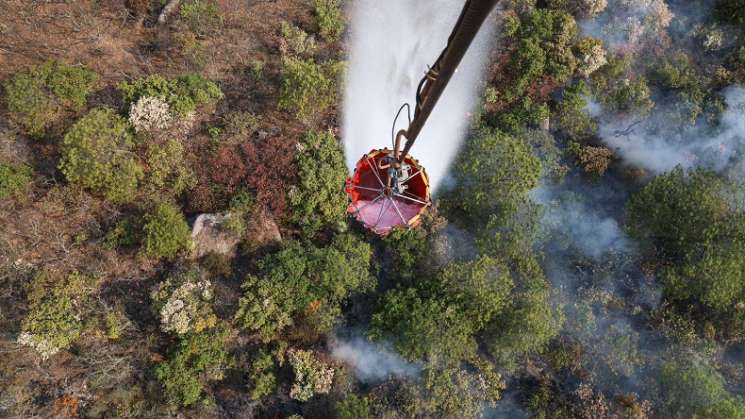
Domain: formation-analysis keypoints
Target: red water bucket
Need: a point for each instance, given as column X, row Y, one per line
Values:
column 377, row 205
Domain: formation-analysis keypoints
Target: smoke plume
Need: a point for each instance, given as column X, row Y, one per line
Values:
column 372, row 362
column 391, row 44
column 651, row 145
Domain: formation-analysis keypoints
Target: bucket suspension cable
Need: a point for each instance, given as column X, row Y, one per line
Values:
column 434, row 82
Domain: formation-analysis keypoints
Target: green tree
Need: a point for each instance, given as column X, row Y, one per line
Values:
column 37, row 96
column 530, row 322
column 98, row 153
column 544, row 41
column 571, row 114
column 422, row 327
column 493, row 173
column 481, row 288
column 165, row 232
column 694, row 390
column 691, row 222
column 453, row 392
column 302, row 279
column 192, row 364
column 319, row 200
column 677, row 77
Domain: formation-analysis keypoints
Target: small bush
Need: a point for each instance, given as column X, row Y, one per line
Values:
column 353, row 407
column 261, row 377
column 168, row 167
column 197, row 360
column 37, row 96
column 183, row 94
column 54, row 321
column 13, row 178
column 590, row 56
column 241, row 125
column 628, row 96
column 308, row 89
column 330, row 18
column 296, row 42
column 319, row 200
column 184, row 303
column 311, row 376
column 595, row 160
column 203, row 17
column 192, row 49
column 97, row 153
column 123, row 234
column 165, row 232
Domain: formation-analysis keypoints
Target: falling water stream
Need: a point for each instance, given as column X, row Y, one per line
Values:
column 391, row 44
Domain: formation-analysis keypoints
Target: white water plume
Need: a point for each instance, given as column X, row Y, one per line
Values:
column 391, row 44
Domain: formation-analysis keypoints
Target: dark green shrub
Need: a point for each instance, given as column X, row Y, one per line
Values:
column 14, row 178
column 165, row 232
column 196, row 360
column 98, row 153
column 330, row 18
column 407, row 250
column 319, row 199
column 308, row 88
column 37, row 96
column 183, row 94
column 296, row 42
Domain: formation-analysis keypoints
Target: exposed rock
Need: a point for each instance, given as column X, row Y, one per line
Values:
column 209, row 236
column 168, row 9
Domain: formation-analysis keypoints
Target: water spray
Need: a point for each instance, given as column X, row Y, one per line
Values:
column 389, row 188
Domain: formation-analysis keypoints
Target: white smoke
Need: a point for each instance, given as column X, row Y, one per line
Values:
column 651, row 146
column 372, row 362
column 592, row 233
column 391, row 44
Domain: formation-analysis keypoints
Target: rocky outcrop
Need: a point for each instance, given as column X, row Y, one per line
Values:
column 209, row 236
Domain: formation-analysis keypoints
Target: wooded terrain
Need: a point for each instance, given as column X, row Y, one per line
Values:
column 174, row 239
